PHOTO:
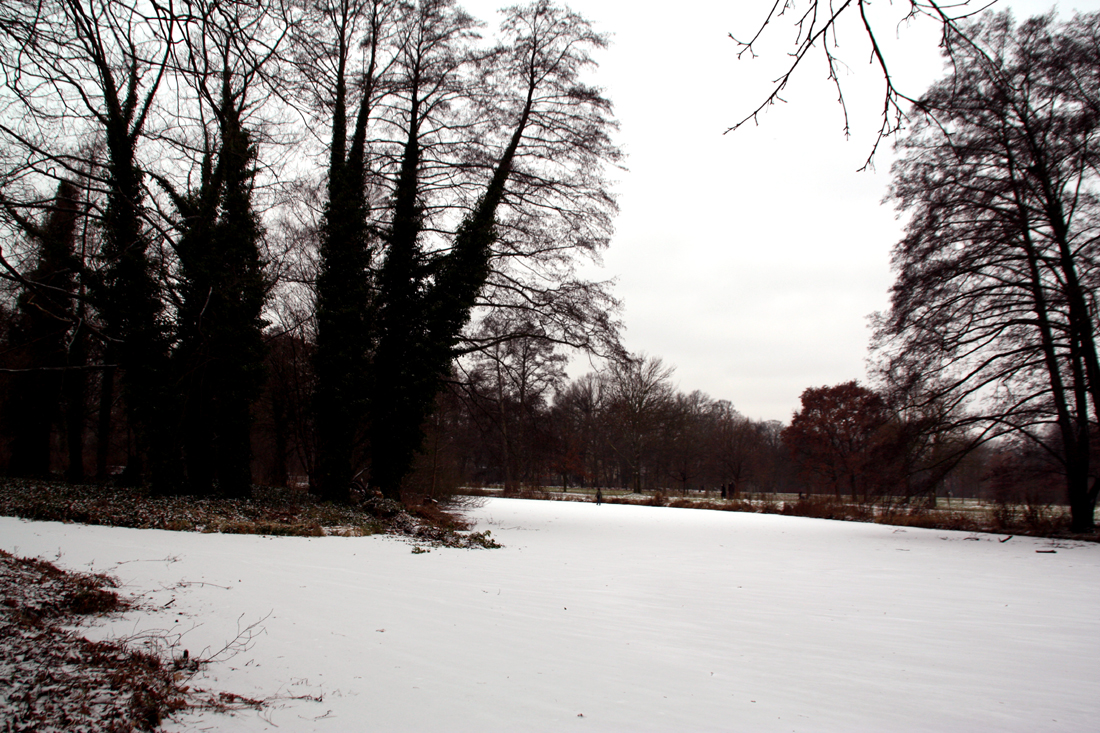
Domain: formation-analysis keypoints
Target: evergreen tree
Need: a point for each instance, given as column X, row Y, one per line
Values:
column 345, row 307
column 222, row 291
column 44, row 331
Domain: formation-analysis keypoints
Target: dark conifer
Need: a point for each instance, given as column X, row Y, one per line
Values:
column 43, row 332
column 345, row 300
column 222, row 292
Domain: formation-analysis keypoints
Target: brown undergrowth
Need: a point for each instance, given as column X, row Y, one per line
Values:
column 54, row 679
column 269, row 511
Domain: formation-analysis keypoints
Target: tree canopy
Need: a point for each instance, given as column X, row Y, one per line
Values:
column 993, row 314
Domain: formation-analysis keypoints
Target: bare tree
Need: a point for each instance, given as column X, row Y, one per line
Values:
column 993, row 313
column 639, row 397
column 816, row 26
column 734, row 447
column 686, row 438
column 580, row 431
column 518, row 377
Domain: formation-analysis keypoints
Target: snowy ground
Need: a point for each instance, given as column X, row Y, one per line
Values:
column 621, row 618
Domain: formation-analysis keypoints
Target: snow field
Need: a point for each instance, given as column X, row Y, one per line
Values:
column 620, row 618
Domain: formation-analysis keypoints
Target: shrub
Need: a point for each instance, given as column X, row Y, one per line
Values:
column 827, row 508
column 439, row 516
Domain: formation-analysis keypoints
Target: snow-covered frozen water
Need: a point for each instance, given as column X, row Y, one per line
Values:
column 620, row 618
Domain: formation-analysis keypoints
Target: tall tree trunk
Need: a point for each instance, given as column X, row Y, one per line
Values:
column 75, row 395
column 104, row 422
column 345, row 298
column 46, row 316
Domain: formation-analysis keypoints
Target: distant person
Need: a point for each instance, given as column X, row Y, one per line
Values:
column 599, row 496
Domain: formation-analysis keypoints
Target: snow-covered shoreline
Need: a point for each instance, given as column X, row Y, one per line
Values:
column 619, row 618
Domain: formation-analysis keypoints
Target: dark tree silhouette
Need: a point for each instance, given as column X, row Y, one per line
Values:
column 639, row 398
column 47, row 334
column 993, row 312
column 221, row 287
column 461, row 134
column 345, row 295
column 517, row 377
column 91, row 70
column 734, row 444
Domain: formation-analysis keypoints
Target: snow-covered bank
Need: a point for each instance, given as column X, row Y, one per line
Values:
column 636, row 618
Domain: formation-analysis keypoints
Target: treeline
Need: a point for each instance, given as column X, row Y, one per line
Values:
column 985, row 368
column 854, row 443
column 511, row 419
column 300, row 211
column 514, row 421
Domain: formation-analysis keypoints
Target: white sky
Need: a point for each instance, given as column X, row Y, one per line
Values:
column 750, row 261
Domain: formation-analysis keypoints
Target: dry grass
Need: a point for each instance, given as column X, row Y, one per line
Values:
column 53, row 679
column 438, row 516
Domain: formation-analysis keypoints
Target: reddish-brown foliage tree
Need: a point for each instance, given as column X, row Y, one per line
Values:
column 835, row 437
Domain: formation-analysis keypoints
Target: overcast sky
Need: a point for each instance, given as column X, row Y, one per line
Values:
column 751, row 261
